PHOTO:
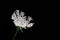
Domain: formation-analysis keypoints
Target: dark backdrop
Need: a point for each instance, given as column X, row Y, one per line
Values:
column 36, row 11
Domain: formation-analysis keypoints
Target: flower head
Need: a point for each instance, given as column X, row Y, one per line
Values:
column 21, row 20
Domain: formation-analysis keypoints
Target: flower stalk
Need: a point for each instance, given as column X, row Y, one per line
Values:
column 16, row 33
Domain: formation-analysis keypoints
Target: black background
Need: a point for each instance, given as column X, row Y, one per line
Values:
column 38, row 11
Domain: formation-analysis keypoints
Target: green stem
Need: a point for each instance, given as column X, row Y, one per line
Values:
column 16, row 33
column 21, row 30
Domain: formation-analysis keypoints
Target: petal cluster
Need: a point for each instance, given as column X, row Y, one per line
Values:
column 20, row 20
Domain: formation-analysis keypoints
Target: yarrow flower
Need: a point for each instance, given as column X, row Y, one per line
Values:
column 21, row 20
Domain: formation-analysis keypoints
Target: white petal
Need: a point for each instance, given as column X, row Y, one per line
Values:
column 17, row 12
column 29, row 18
column 14, row 16
column 30, row 25
column 24, row 17
column 16, row 23
column 22, row 14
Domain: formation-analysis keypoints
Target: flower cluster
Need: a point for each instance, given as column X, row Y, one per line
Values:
column 21, row 20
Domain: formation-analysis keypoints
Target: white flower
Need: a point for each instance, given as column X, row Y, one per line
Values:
column 21, row 20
